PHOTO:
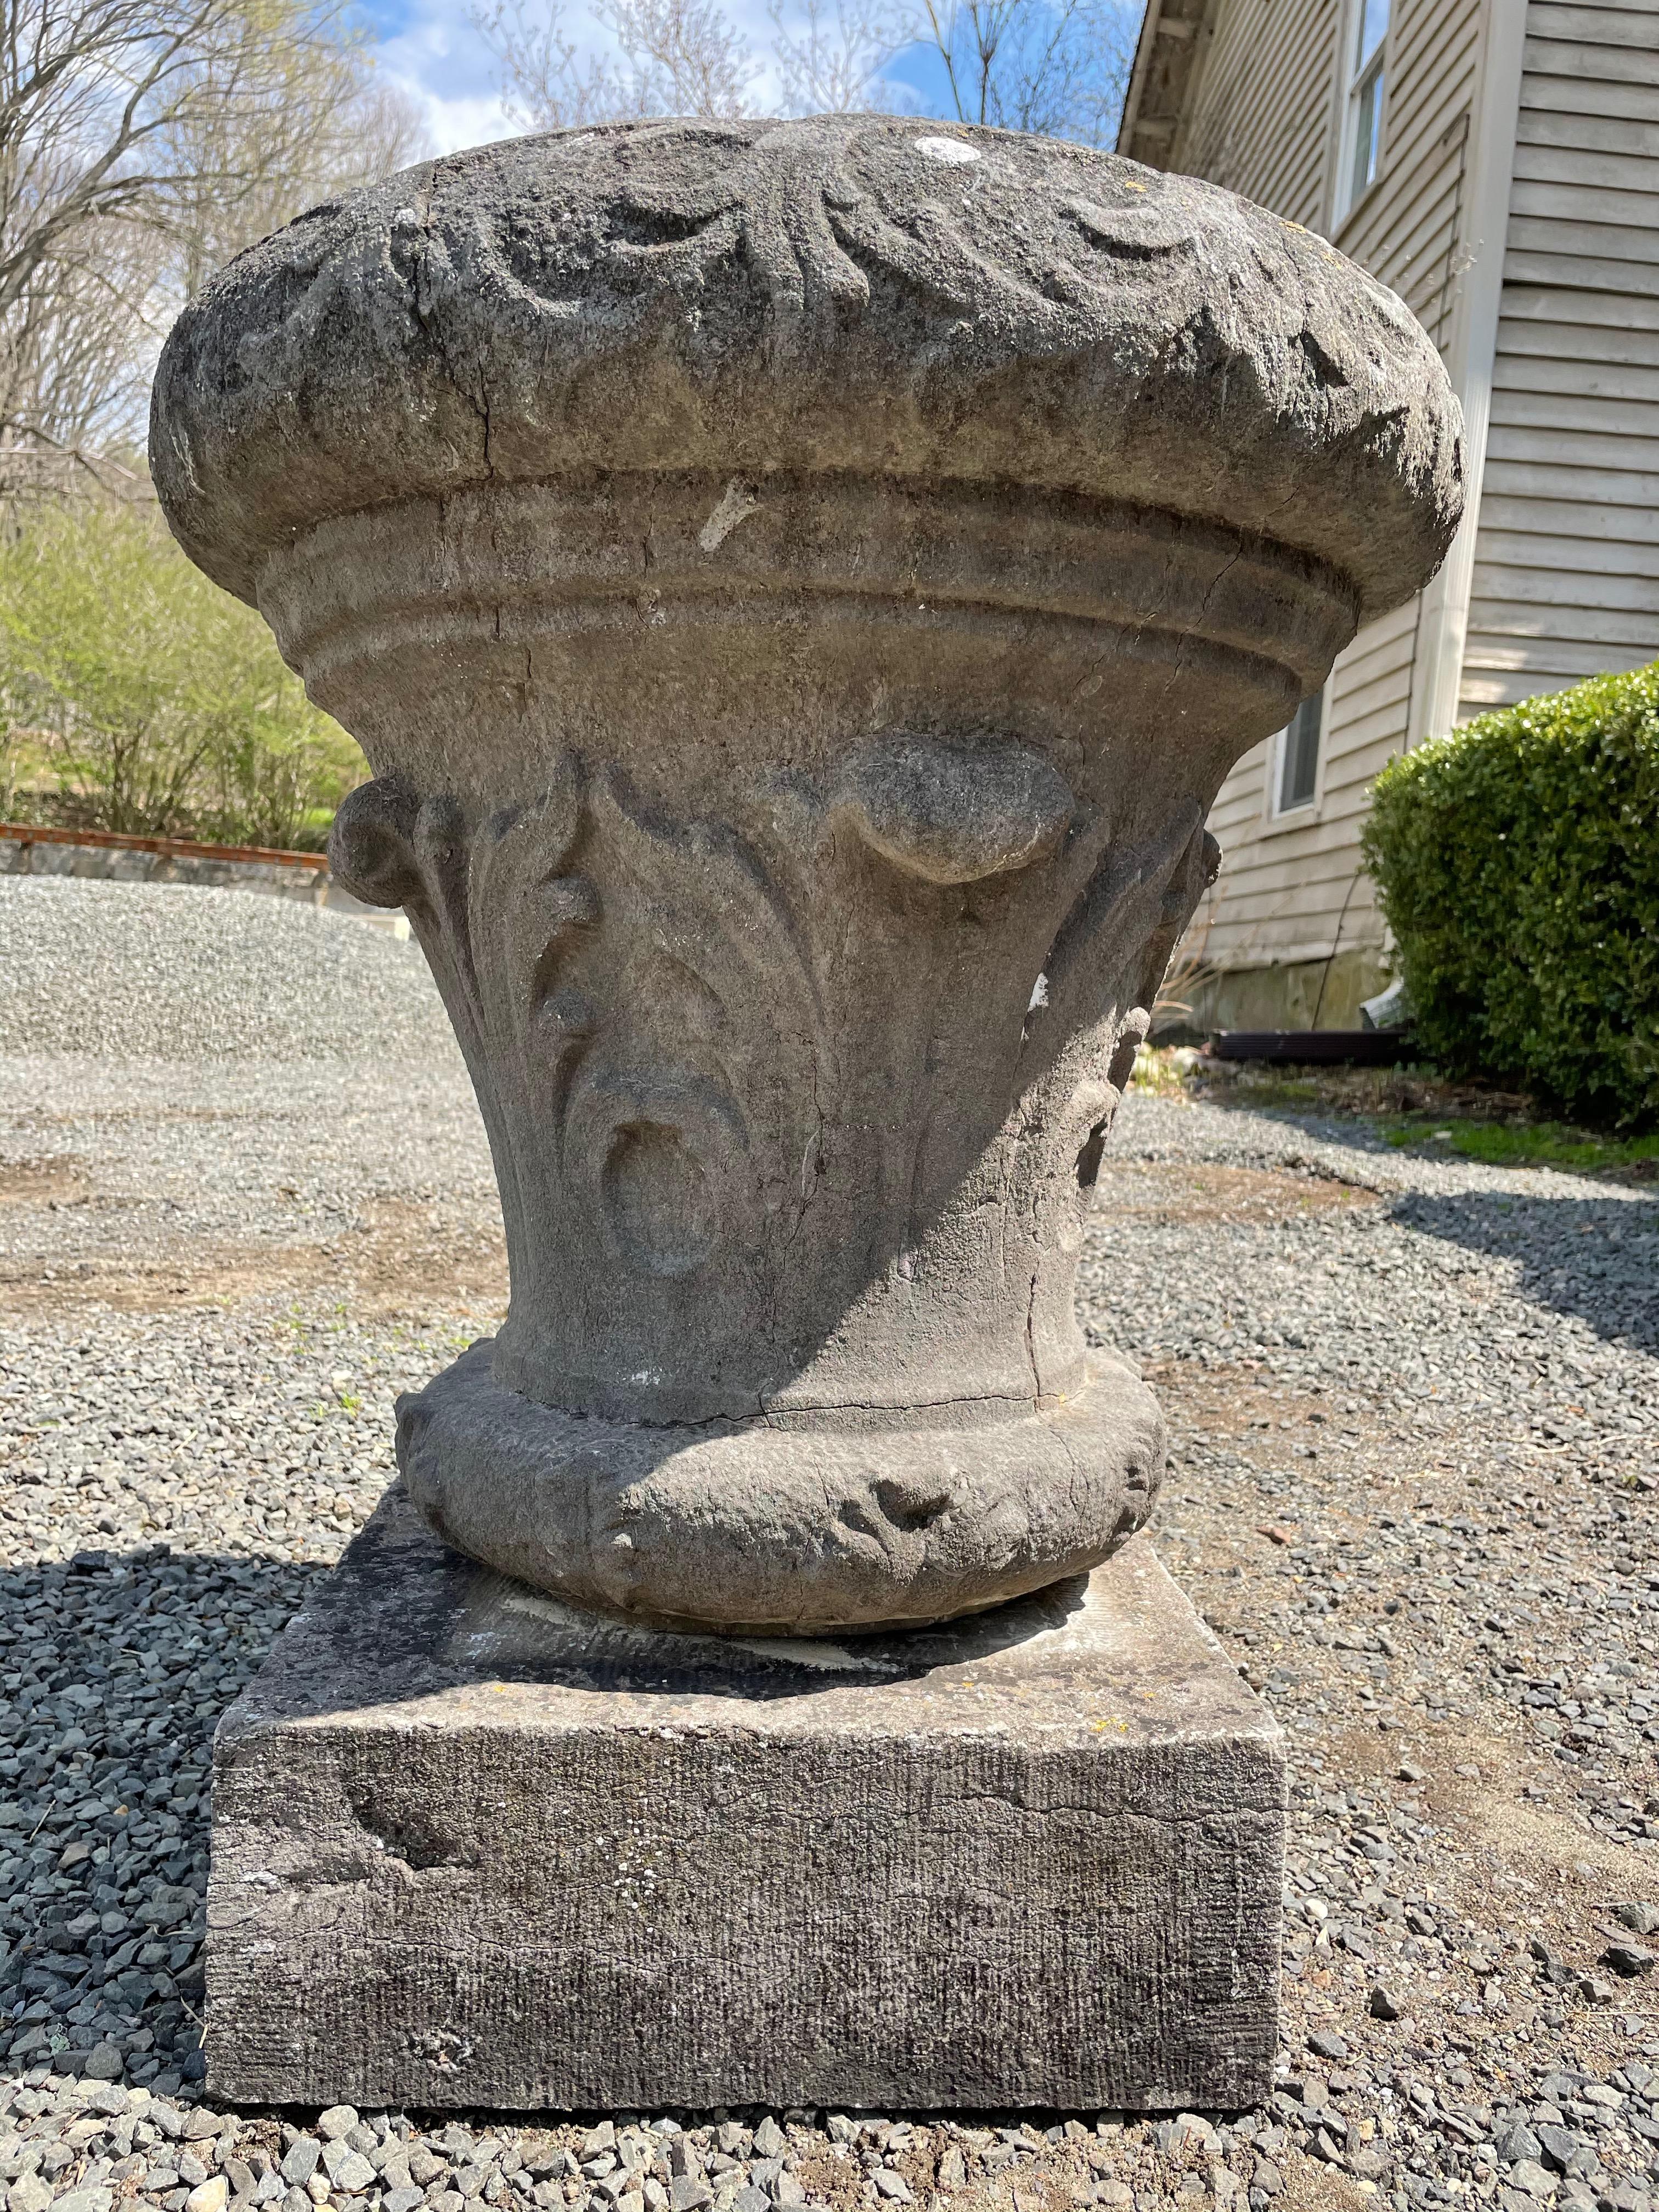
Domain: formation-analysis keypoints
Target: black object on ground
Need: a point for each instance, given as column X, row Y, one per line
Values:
column 1355, row 1047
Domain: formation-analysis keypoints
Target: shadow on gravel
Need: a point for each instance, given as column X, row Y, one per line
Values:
column 1594, row 1257
column 114, row 1667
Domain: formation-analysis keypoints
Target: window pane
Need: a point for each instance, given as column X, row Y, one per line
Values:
column 1300, row 769
column 1367, row 135
column 1373, row 29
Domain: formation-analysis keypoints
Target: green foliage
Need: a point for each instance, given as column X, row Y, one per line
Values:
column 1517, row 862
column 141, row 698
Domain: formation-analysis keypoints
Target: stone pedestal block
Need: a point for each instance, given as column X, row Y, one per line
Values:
column 474, row 1848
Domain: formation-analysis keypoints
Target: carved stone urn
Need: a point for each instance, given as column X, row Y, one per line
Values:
column 799, row 587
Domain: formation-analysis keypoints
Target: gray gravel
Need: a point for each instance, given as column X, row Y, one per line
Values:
column 1412, row 1480
column 136, row 971
column 1509, row 1295
column 194, row 1076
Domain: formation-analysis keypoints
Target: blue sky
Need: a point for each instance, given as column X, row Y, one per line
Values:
column 432, row 48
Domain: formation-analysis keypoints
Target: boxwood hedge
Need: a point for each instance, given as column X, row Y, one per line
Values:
column 1517, row 863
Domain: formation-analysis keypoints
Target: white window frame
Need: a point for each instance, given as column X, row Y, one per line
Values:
column 1277, row 816
column 1353, row 77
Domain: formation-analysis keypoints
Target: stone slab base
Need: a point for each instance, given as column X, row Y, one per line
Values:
column 472, row 1848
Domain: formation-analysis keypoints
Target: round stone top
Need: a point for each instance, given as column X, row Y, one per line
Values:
column 850, row 294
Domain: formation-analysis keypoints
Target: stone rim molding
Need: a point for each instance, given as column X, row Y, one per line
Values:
column 797, row 802
column 846, row 293
column 515, row 561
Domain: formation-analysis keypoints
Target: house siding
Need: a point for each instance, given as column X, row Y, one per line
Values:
column 1261, row 122
column 1567, row 574
column 1251, row 125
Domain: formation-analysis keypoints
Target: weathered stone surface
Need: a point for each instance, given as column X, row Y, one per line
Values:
column 828, row 296
column 471, row 1848
column 769, row 1525
column 799, row 596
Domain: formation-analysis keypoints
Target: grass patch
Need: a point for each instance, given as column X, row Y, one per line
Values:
column 1409, row 1106
column 1536, row 1144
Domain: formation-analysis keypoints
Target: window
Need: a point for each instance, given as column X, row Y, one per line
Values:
column 1297, row 757
column 1364, row 125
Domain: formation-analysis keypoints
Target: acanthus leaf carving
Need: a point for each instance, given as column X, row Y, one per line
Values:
column 642, row 1022
column 812, row 215
column 659, row 1011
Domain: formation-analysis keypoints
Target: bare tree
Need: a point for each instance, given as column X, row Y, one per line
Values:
column 685, row 56
column 141, row 141
column 71, row 374
column 546, row 84
column 1057, row 66
column 830, row 61
column 671, row 57
column 1061, row 67
column 85, row 87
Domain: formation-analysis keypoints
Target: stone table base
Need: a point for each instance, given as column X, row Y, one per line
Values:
column 470, row 1848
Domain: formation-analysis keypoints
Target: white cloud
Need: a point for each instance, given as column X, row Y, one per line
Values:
column 454, row 124
column 433, row 52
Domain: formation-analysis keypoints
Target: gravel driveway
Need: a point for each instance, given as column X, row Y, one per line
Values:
column 245, row 1199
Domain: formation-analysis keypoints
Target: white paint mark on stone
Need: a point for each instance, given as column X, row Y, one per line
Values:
column 545, row 1608
column 828, row 1658
column 1039, row 994
column 950, row 151
column 737, row 500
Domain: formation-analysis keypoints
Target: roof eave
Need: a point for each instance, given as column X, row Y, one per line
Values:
column 1166, row 61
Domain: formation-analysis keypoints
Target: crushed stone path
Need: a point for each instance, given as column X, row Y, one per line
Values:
column 1414, row 1464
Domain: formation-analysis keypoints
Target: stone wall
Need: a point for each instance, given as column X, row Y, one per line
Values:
column 125, row 863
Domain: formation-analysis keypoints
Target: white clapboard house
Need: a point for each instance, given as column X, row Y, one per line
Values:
column 1497, row 163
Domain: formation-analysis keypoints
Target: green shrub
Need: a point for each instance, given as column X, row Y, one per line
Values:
column 1517, row 862
column 141, row 698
